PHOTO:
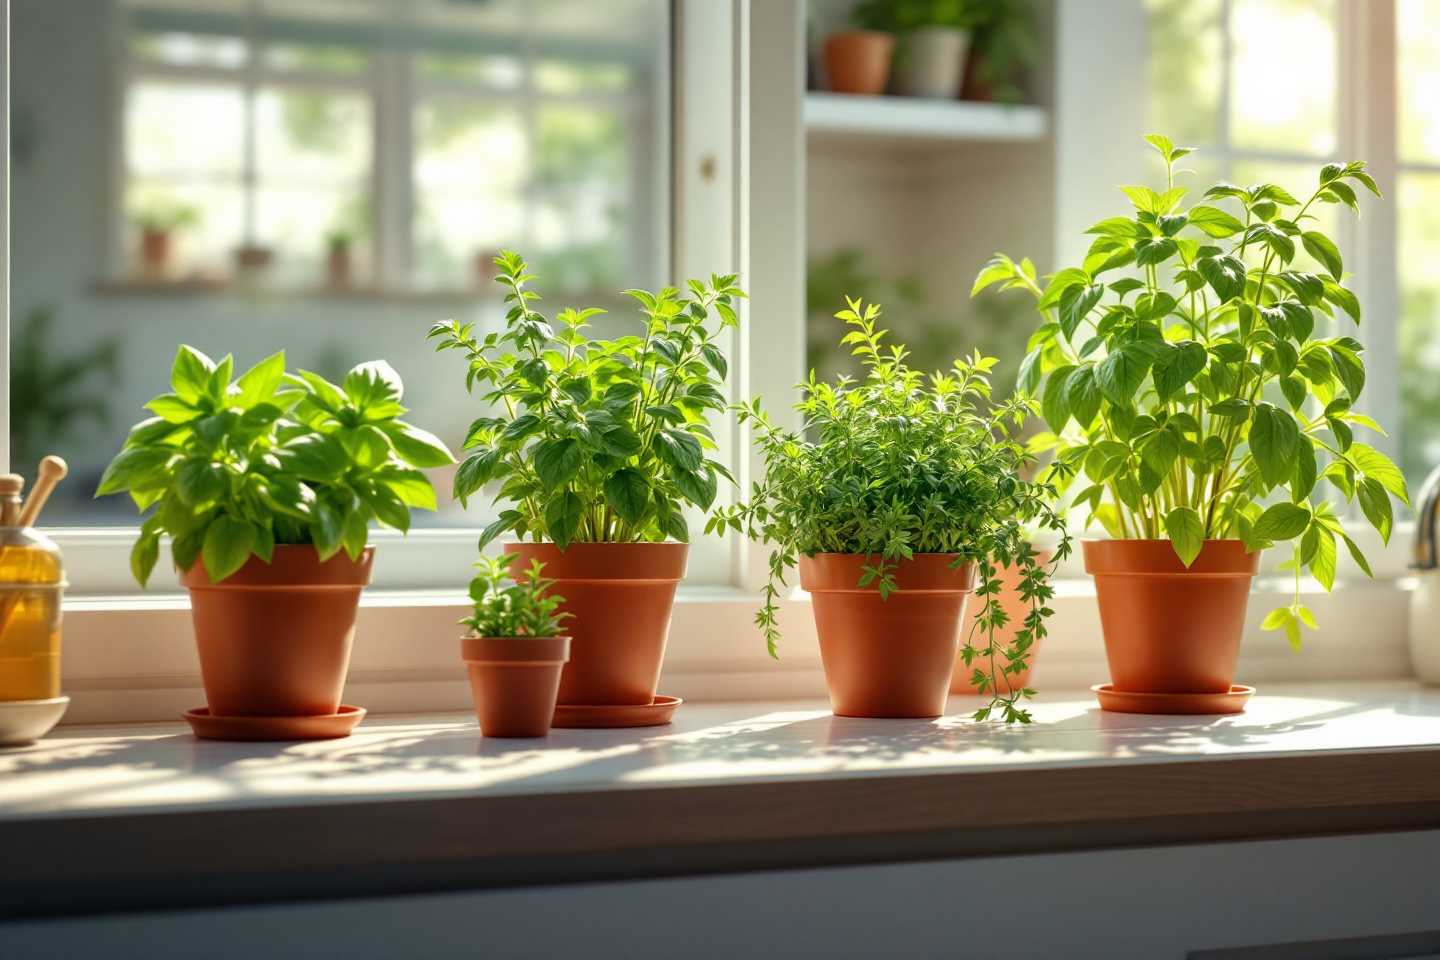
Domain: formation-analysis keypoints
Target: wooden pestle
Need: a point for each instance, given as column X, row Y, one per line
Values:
column 52, row 471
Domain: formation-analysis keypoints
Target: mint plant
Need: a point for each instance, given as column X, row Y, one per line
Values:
column 901, row 465
column 232, row 469
column 595, row 441
column 1195, row 394
column 520, row 610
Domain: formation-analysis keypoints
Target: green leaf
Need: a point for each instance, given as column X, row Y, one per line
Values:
column 375, row 390
column 1054, row 407
column 1322, row 560
column 410, row 485
column 556, row 462
column 1302, row 478
column 259, row 383
column 1214, row 221
column 1119, row 375
column 1283, row 521
column 1175, row 366
column 1225, row 274
column 1160, row 450
column 627, row 490
column 228, row 544
column 1375, row 504
column 1274, row 435
column 1349, row 368
column 699, row 487
column 1186, row 532
column 388, row 508
column 1323, row 249
column 190, row 376
column 1076, row 303
column 144, row 555
column 1082, row 394
column 1373, row 463
column 679, row 449
column 200, row 482
column 315, row 456
column 1343, row 298
column 1154, row 250
column 418, row 448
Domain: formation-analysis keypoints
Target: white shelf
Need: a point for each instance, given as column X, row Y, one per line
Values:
column 917, row 119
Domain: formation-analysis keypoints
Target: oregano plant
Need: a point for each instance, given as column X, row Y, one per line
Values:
column 234, row 468
column 1193, row 382
column 898, row 464
column 595, row 441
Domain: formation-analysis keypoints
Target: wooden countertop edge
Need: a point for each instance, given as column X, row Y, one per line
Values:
column 1341, row 791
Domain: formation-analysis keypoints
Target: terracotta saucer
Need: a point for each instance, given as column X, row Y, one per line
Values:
column 325, row 727
column 1232, row 701
column 625, row 715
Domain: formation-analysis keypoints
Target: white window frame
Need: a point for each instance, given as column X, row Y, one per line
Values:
column 737, row 207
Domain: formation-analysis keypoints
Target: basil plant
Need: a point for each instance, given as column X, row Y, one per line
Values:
column 232, row 469
column 595, row 441
column 900, row 464
column 1189, row 375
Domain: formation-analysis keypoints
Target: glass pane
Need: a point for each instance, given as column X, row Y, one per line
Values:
column 203, row 220
column 1282, row 76
column 297, row 223
column 1418, row 110
column 188, row 49
column 1185, row 70
column 312, row 135
column 472, row 170
column 1418, row 203
column 560, row 77
column 316, row 58
column 184, row 127
column 493, row 71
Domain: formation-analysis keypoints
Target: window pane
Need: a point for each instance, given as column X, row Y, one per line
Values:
column 312, row 135
column 1418, row 113
column 1185, row 70
column 189, row 49
column 559, row 77
column 1282, row 76
column 208, row 218
column 316, row 58
column 295, row 223
column 495, row 72
column 184, row 128
column 1418, row 203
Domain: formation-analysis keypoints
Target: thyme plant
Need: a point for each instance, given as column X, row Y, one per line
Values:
column 1211, row 403
column 596, row 441
column 904, row 464
column 520, row 610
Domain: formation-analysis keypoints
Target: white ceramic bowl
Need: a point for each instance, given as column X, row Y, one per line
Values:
column 25, row 721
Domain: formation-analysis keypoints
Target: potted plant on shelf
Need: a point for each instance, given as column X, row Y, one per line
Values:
column 1004, row 45
column 858, row 61
column 908, row 496
column 157, row 222
column 267, row 486
column 597, row 445
column 1195, row 413
column 934, row 37
column 339, row 262
column 515, row 650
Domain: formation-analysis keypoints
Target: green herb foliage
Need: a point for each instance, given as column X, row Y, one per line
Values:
column 1192, row 397
column 520, row 610
column 596, row 441
column 902, row 466
column 900, row 16
column 234, row 468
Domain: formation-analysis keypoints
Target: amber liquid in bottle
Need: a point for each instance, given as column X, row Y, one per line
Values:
column 31, row 582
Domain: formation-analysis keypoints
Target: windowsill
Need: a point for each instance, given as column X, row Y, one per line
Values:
column 146, row 816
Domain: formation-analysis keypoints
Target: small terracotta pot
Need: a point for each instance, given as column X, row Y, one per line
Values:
column 858, row 61
column 339, row 266
column 1017, row 609
column 891, row 657
column 620, row 596
column 515, row 682
column 275, row 638
column 155, row 250
column 1169, row 629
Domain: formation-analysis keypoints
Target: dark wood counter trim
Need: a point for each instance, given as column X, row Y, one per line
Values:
column 140, row 861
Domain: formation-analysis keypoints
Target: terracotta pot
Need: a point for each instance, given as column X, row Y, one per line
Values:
column 1017, row 609
column 858, row 61
column 891, row 657
column 339, row 266
column 976, row 87
column 515, row 682
column 1168, row 629
column 155, row 249
column 620, row 595
column 275, row 638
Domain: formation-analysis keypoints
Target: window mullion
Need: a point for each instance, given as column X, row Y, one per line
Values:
column 391, row 175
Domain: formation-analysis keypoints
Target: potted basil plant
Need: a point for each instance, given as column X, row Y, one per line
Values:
column 266, row 486
column 515, row 649
column 907, row 500
column 1199, row 414
column 596, row 446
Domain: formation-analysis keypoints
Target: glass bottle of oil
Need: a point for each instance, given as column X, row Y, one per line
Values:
column 32, row 579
